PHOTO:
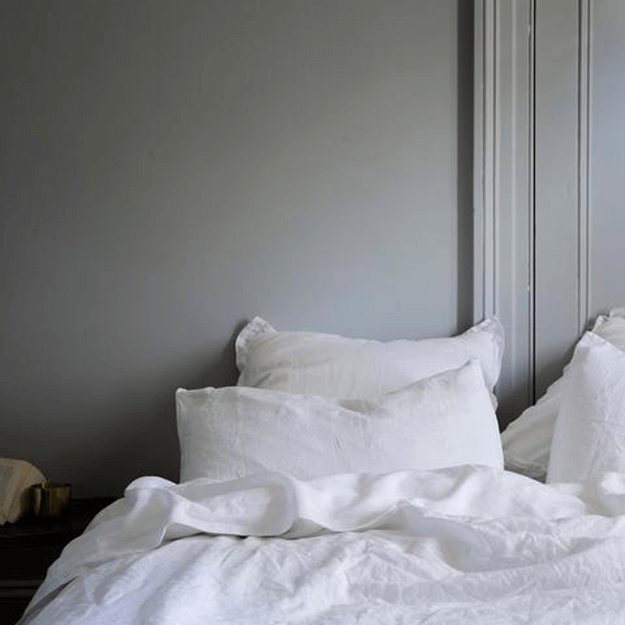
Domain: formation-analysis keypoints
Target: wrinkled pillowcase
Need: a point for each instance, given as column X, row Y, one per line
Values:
column 335, row 366
column 527, row 440
column 589, row 434
column 444, row 420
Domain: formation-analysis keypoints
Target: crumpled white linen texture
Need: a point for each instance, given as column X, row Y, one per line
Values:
column 457, row 545
column 589, row 435
column 440, row 421
column 527, row 440
column 313, row 363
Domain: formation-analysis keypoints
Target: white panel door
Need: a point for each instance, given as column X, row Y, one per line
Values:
column 549, row 176
column 606, row 156
column 579, row 173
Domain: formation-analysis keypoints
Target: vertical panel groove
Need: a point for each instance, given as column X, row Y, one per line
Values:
column 490, row 233
column 479, row 304
column 588, row 177
column 583, row 163
column 494, row 247
column 531, row 93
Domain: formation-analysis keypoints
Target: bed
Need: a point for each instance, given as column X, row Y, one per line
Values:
column 355, row 481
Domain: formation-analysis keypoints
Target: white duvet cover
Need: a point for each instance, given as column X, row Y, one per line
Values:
column 462, row 545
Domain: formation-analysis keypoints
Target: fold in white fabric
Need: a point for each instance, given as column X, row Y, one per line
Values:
column 378, row 541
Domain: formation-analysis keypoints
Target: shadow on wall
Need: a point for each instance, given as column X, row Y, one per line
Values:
column 148, row 442
column 163, row 457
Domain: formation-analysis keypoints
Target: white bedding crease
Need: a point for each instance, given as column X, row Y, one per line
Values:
column 466, row 544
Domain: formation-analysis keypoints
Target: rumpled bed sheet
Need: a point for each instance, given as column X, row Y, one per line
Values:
column 460, row 545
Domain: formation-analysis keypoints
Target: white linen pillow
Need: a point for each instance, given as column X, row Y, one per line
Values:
column 589, row 434
column 335, row 366
column 527, row 440
column 232, row 432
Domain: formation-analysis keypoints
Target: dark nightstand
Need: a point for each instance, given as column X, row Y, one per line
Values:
column 28, row 547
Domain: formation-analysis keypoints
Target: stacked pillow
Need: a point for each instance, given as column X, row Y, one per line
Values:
column 589, row 434
column 312, row 404
column 327, row 364
column 527, row 441
column 444, row 420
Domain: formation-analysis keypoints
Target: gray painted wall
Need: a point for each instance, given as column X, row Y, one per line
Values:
column 171, row 169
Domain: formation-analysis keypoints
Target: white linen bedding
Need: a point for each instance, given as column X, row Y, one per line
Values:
column 466, row 544
column 441, row 421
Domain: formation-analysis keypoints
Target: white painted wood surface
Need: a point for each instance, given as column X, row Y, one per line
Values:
column 554, row 101
column 503, row 193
